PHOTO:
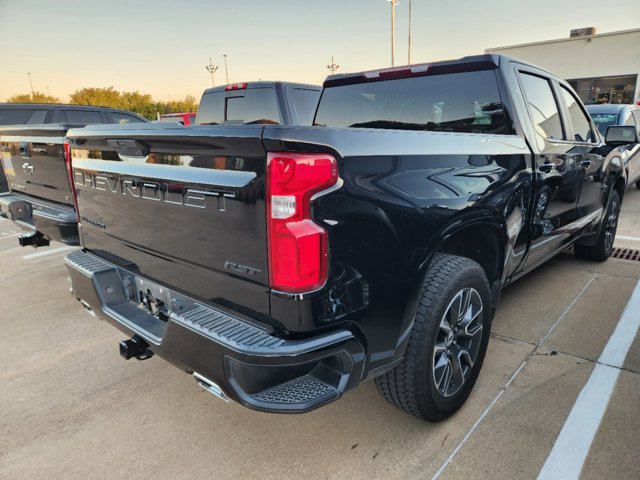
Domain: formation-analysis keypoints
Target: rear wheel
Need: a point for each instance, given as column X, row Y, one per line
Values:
column 638, row 184
column 604, row 244
column 448, row 341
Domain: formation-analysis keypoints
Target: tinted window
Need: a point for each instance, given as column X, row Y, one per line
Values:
column 579, row 121
column 257, row 105
column 604, row 121
column 457, row 102
column 304, row 104
column 38, row 117
column 542, row 106
column 83, row 116
column 124, row 118
column 21, row 116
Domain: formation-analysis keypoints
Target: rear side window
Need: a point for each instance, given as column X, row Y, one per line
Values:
column 457, row 102
column 21, row 116
column 124, row 118
column 253, row 105
column 542, row 106
column 83, row 116
column 579, row 121
column 304, row 103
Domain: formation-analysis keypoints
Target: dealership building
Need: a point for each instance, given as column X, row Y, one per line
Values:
column 602, row 68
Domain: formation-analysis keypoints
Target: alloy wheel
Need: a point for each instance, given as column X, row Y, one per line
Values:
column 458, row 342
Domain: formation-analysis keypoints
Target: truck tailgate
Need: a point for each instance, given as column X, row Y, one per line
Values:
column 33, row 160
column 184, row 206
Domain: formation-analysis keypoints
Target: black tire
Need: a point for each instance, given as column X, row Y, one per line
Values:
column 412, row 385
column 638, row 184
column 601, row 250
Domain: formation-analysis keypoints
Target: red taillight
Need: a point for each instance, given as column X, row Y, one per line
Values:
column 67, row 164
column 236, row 86
column 298, row 247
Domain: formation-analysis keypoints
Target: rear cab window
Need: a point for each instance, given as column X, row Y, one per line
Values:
column 303, row 102
column 242, row 106
column 448, row 102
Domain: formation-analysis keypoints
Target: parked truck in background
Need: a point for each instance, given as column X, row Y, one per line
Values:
column 284, row 265
column 33, row 160
column 33, row 156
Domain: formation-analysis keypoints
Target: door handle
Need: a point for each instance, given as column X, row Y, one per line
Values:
column 585, row 163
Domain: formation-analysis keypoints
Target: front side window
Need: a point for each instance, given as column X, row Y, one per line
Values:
column 20, row 116
column 124, row 118
column 542, row 106
column 579, row 121
column 453, row 102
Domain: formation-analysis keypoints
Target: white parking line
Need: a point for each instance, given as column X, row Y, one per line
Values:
column 449, row 460
column 12, row 234
column 47, row 253
column 632, row 239
column 574, row 442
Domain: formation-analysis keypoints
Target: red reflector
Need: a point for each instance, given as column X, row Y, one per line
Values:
column 298, row 247
column 236, row 86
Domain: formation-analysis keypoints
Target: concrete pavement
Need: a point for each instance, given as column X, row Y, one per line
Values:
column 70, row 407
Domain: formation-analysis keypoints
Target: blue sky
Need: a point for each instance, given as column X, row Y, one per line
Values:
column 161, row 47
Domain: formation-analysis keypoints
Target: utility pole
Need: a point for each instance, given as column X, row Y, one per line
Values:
column 393, row 30
column 31, row 83
column 332, row 66
column 211, row 68
column 226, row 70
column 409, row 48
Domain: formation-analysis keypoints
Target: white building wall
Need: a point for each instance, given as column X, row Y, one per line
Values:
column 604, row 55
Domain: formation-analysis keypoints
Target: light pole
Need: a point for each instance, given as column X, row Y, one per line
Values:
column 332, row 66
column 226, row 70
column 409, row 48
column 211, row 68
column 393, row 30
column 30, row 83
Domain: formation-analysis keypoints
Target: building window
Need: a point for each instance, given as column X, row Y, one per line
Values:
column 606, row 89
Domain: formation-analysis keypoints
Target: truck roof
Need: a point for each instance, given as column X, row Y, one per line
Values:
column 473, row 62
column 261, row 84
column 58, row 106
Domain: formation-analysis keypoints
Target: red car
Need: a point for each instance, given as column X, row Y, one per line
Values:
column 183, row 118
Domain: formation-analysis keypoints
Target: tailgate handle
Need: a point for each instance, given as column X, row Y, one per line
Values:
column 132, row 148
column 24, row 150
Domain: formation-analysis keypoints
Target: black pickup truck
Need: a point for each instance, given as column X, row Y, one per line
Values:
column 284, row 265
column 33, row 160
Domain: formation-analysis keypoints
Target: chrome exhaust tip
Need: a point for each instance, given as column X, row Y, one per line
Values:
column 209, row 386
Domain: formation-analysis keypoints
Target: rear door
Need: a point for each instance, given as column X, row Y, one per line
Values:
column 184, row 207
column 33, row 159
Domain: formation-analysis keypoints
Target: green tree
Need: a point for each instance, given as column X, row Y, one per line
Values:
column 140, row 103
column 188, row 104
column 38, row 97
column 105, row 97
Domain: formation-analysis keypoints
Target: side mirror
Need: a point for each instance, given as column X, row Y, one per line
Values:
column 621, row 135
